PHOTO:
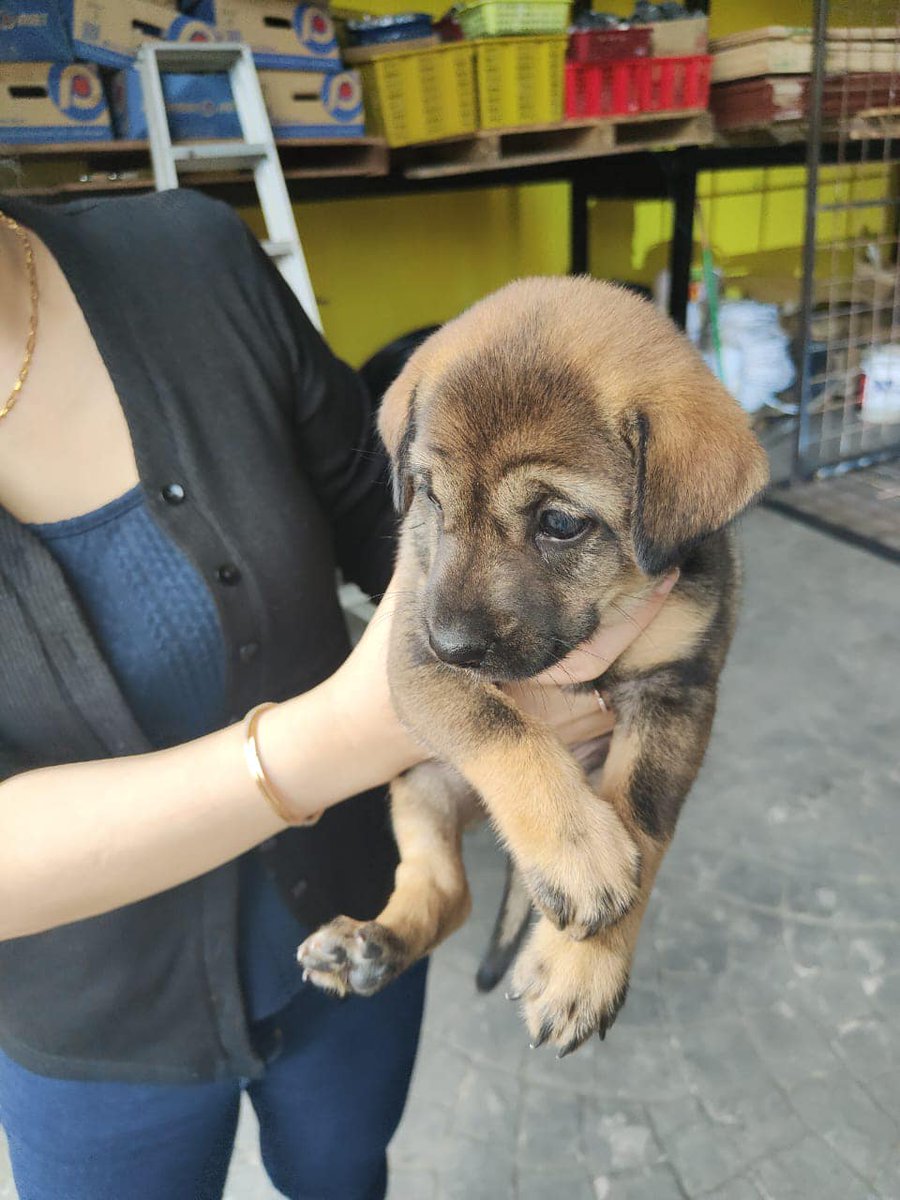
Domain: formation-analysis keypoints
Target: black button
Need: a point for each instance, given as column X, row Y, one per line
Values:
column 173, row 493
column 228, row 574
column 248, row 651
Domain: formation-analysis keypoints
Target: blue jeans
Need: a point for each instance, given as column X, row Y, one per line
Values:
column 327, row 1105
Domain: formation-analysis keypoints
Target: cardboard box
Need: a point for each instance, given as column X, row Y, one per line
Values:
column 34, row 31
column 306, row 104
column 679, row 39
column 282, row 35
column 198, row 106
column 52, row 102
column 110, row 32
column 780, row 50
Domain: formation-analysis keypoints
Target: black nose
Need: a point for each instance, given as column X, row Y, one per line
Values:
column 459, row 645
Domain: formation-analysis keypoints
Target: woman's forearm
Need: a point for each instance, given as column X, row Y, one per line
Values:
column 85, row 838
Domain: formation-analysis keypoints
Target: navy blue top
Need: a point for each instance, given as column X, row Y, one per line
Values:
column 157, row 625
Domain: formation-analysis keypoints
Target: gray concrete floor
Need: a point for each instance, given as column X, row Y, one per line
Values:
column 758, row 1056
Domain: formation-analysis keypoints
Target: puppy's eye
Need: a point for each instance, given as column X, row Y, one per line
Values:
column 561, row 526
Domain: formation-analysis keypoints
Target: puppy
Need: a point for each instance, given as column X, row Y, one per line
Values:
column 556, row 449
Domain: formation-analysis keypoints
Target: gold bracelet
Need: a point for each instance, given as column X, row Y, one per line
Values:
column 258, row 771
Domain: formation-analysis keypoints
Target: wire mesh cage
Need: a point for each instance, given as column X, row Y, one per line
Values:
column 850, row 314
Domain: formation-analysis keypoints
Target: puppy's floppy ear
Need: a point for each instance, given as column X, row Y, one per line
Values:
column 697, row 464
column 397, row 427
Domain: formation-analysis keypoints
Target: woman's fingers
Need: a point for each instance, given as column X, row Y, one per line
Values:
column 593, row 657
column 574, row 716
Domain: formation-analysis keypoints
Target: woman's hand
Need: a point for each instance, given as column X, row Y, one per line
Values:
column 575, row 716
column 578, row 716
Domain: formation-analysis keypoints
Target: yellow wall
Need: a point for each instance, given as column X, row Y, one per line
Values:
column 383, row 267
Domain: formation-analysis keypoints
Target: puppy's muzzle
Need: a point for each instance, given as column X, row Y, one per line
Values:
column 462, row 641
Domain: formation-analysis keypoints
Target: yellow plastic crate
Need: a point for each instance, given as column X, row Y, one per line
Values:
column 520, row 80
column 421, row 96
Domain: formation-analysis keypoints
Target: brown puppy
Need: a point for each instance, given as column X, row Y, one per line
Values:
column 556, row 449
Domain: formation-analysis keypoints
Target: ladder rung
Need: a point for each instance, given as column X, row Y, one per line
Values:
column 208, row 156
column 278, row 249
column 204, row 57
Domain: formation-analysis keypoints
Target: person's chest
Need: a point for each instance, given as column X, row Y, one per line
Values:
column 65, row 448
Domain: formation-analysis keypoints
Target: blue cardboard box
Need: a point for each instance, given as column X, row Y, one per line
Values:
column 283, row 36
column 198, row 106
column 52, row 102
column 110, row 32
column 314, row 104
column 34, row 31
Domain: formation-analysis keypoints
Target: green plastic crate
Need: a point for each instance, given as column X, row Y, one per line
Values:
column 493, row 18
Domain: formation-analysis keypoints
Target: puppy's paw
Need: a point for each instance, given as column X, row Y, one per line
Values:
column 348, row 956
column 569, row 990
column 590, row 878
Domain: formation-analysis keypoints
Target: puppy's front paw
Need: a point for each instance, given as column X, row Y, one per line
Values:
column 352, row 956
column 569, row 990
column 589, row 877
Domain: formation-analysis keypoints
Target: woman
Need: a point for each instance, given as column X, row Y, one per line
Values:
column 183, row 465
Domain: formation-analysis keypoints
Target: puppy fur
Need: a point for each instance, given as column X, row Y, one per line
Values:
column 553, row 405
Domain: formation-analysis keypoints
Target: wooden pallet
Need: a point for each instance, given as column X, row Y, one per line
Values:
column 876, row 123
column 506, row 149
column 125, row 165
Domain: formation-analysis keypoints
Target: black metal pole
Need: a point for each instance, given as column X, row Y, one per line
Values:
column 799, row 469
column 683, row 190
column 578, row 228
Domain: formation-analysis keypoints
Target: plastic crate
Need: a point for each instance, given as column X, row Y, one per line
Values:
column 603, row 45
column 503, row 18
column 380, row 31
column 520, row 81
column 637, row 85
column 421, row 96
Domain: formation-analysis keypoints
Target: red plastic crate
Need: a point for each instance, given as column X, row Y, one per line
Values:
column 637, row 85
column 603, row 45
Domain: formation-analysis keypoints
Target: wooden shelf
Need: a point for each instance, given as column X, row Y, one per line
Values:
column 122, row 166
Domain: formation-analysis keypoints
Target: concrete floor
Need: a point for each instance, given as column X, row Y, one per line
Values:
column 758, row 1055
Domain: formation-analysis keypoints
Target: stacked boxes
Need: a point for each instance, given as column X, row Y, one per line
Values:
column 110, row 32
column 54, row 55
column 307, row 92
column 44, row 95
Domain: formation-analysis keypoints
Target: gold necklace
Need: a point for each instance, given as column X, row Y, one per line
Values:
column 33, row 319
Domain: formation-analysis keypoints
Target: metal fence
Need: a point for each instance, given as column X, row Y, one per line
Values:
column 850, row 310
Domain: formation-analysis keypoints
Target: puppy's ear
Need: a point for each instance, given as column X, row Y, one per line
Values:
column 697, row 464
column 397, row 427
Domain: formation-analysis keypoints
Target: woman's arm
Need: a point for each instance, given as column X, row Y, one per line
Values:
column 84, row 838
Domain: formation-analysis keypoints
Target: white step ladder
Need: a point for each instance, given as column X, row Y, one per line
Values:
column 257, row 151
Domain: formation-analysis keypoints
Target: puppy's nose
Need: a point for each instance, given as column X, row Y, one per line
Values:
column 460, row 645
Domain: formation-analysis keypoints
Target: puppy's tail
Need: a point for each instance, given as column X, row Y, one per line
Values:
column 510, row 928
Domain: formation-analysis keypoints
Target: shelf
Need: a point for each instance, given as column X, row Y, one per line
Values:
column 124, row 166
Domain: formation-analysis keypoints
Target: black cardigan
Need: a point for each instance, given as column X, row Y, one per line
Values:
column 230, row 394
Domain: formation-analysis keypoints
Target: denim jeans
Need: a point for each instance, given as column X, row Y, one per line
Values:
column 328, row 1104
